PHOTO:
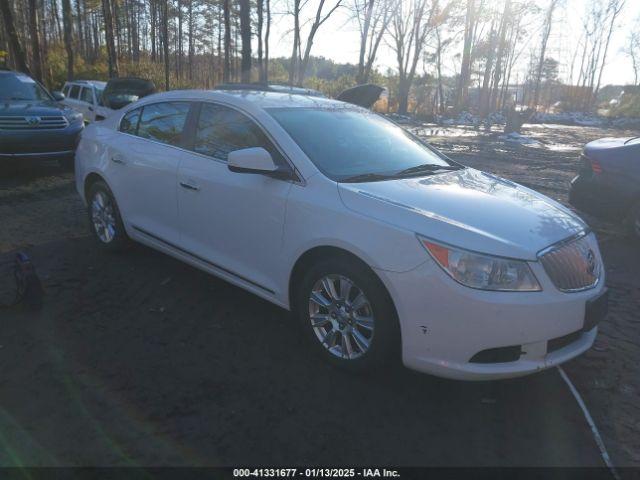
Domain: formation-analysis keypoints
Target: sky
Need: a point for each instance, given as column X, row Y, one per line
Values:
column 338, row 39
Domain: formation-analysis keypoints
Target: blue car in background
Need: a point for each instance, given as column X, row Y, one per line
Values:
column 608, row 181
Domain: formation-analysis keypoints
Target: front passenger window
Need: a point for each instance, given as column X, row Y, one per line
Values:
column 221, row 130
column 163, row 122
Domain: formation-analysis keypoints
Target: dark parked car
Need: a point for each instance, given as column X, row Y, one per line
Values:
column 121, row 91
column 33, row 122
column 608, row 182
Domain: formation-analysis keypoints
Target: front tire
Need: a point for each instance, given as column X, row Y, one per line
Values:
column 104, row 218
column 348, row 315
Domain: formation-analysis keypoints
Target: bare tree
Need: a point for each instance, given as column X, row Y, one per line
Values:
column 227, row 40
column 112, row 56
column 15, row 47
column 462, row 92
column 373, row 17
column 67, row 22
column 35, row 40
column 245, row 32
column 633, row 50
column 260, row 10
column 299, row 62
column 410, row 26
column 543, row 48
column 266, row 43
column 614, row 8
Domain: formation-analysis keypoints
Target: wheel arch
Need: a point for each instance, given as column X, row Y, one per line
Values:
column 89, row 181
column 316, row 253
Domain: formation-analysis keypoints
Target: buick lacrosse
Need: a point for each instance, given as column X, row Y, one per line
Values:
column 380, row 245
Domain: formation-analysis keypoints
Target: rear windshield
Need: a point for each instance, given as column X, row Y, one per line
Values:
column 21, row 87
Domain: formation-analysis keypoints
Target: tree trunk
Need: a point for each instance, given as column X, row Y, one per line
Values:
column 15, row 47
column 465, row 69
column 296, row 42
column 260, row 8
column 364, row 34
column 165, row 41
column 227, row 42
column 191, row 45
column 35, row 40
column 543, row 50
column 245, row 33
column 68, row 39
column 153, row 13
column 81, row 48
column 112, row 57
column 266, row 43
column 178, row 51
column 614, row 14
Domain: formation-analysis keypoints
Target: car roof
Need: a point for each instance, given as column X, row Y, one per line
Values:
column 251, row 99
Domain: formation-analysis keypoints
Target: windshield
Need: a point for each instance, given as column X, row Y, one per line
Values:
column 21, row 87
column 348, row 144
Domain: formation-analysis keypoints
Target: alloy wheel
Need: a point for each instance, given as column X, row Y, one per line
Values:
column 341, row 317
column 103, row 217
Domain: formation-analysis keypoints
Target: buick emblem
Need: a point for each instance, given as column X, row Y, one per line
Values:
column 33, row 121
column 591, row 262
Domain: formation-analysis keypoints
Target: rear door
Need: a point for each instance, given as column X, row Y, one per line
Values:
column 143, row 162
column 231, row 220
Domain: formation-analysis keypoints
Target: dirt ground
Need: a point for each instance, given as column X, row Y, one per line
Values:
column 137, row 359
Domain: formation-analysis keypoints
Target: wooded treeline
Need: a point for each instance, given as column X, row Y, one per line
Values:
column 450, row 55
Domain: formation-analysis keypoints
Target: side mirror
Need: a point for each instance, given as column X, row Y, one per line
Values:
column 58, row 96
column 256, row 160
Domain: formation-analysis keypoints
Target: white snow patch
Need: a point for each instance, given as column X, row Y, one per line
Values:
column 515, row 137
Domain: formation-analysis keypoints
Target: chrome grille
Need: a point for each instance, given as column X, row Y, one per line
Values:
column 573, row 266
column 33, row 122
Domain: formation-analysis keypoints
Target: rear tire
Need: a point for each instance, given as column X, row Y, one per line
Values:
column 105, row 221
column 347, row 315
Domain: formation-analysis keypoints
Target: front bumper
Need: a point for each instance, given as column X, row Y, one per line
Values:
column 35, row 144
column 444, row 325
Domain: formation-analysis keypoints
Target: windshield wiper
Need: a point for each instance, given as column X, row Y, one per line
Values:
column 367, row 177
column 426, row 168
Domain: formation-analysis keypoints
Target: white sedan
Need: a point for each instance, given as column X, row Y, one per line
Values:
column 380, row 245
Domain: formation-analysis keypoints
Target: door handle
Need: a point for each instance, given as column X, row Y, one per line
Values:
column 118, row 159
column 189, row 186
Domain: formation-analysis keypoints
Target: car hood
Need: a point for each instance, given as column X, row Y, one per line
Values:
column 469, row 209
column 22, row 108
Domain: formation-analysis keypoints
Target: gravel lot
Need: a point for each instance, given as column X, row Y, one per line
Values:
column 137, row 359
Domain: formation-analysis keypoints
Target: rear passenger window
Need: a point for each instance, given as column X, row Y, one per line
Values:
column 75, row 90
column 163, row 122
column 221, row 130
column 86, row 95
column 129, row 123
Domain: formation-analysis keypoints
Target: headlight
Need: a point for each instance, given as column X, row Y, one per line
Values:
column 485, row 272
column 74, row 117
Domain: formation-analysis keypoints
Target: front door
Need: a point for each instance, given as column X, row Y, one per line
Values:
column 232, row 220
